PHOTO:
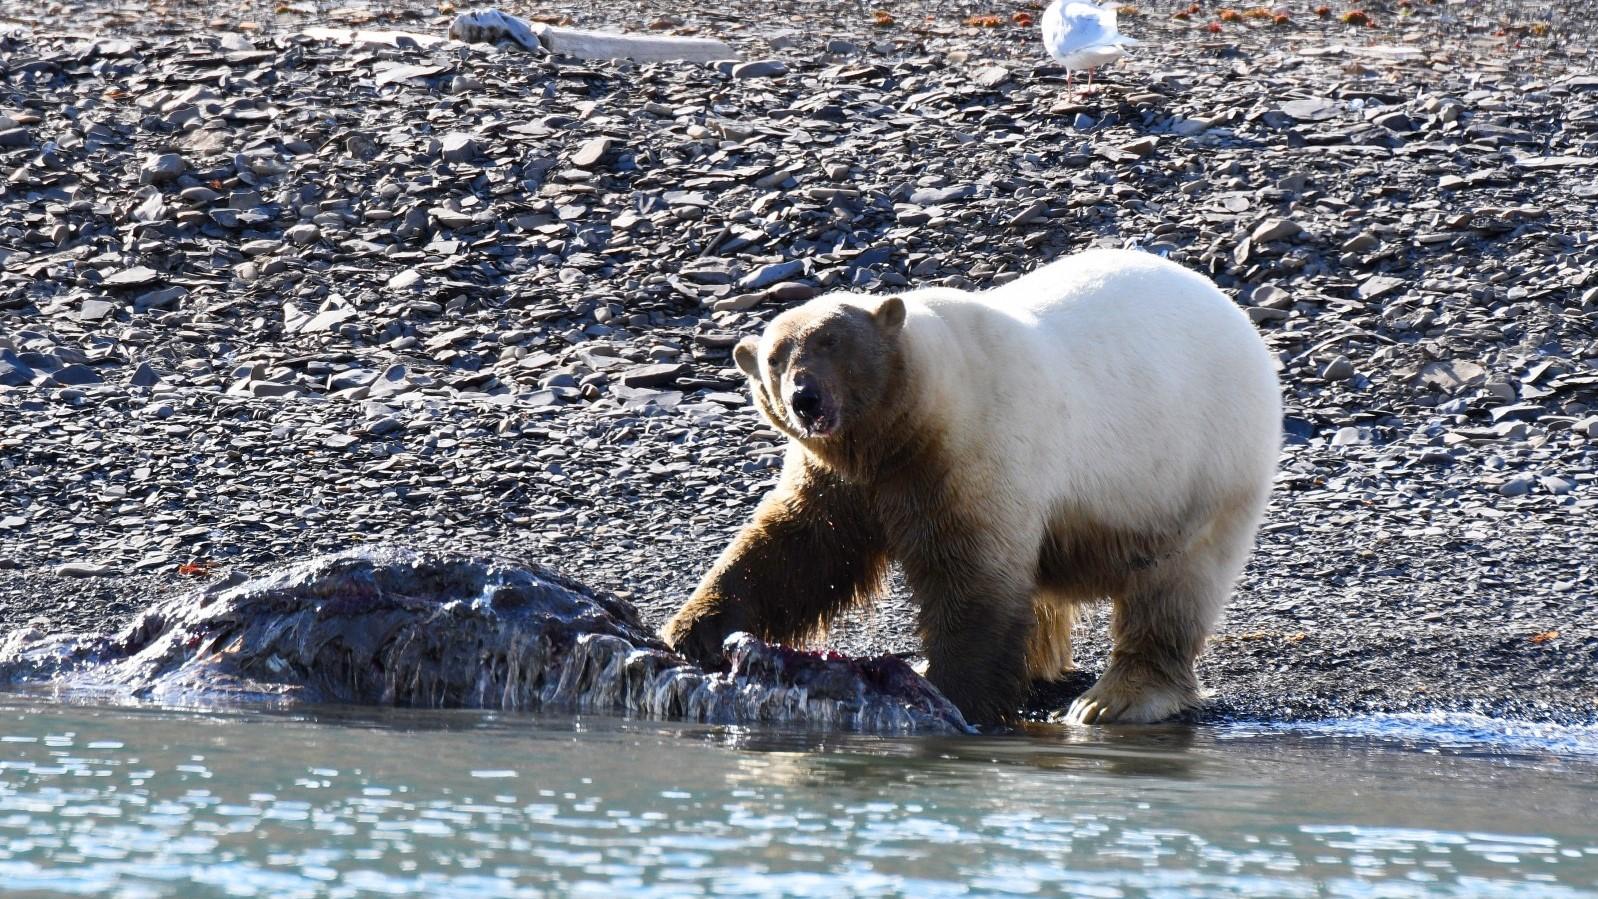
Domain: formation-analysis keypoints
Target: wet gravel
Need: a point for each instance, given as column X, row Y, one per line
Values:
column 264, row 293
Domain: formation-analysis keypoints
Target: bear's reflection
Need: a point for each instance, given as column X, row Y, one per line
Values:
column 851, row 761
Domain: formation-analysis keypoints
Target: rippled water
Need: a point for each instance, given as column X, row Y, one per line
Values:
column 142, row 802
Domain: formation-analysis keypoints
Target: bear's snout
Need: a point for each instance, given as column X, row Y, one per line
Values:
column 809, row 405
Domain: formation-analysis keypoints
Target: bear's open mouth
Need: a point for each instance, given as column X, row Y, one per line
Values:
column 820, row 423
column 822, row 426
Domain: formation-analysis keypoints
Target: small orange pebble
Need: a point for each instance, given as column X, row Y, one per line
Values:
column 881, row 18
column 1128, row 10
column 1540, row 29
column 1355, row 17
column 1228, row 15
column 1323, row 11
column 1182, row 14
column 1544, row 637
column 1214, row 28
column 1281, row 18
column 1024, row 19
column 1258, row 12
column 984, row 21
column 194, row 569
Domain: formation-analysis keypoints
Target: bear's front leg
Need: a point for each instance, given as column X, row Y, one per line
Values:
column 976, row 619
column 813, row 548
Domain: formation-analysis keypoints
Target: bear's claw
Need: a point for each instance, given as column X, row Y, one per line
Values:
column 1109, row 704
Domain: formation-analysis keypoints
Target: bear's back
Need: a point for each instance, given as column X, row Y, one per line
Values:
column 1108, row 374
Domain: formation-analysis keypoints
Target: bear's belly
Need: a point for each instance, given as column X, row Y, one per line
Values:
column 1088, row 560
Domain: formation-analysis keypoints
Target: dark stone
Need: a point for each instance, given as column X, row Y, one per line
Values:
column 13, row 371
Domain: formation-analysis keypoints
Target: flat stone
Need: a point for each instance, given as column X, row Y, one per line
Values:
column 1451, row 375
column 760, row 68
column 85, row 569
column 1312, row 109
column 13, row 371
column 1378, row 286
column 1516, row 412
column 161, row 168
column 393, row 380
column 661, row 375
column 1520, row 485
column 1038, row 209
column 1339, row 369
column 1556, row 485
column 1347, row 436
column 1362, row 242
column 1275, row 229
column 934, row 196
column 771, row 273
column 144, row 376
column 75, row 375
column 159, row 299
column 1143, row 146
column 792, row 292
column 991, row 76
column 591, row 153
column 458, row 147
column 95, row 310
column 137, row 276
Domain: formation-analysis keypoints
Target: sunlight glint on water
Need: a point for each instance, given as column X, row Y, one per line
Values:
column 140, row 802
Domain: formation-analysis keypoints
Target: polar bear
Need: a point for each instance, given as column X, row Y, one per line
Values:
column 1106, row 427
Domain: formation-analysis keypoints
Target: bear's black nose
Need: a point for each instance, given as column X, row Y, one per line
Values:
column 805, row 401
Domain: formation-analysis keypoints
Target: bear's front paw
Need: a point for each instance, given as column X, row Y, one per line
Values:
column 698, row 634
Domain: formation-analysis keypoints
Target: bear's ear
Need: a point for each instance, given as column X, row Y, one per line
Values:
column 747, row 355
column 889, row 316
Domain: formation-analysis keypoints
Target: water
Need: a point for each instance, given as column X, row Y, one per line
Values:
column 354, row 802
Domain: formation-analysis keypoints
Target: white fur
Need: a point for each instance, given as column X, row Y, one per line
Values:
column 1113, row 380
column 1112, row 422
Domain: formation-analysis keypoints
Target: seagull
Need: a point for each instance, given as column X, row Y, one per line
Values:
column 1082, row 36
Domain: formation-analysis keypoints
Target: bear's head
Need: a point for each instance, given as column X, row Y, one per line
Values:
column 824, row 370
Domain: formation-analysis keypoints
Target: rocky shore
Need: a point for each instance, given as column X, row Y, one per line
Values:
column 265, row 293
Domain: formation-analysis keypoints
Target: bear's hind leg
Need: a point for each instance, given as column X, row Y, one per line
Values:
column 1159, row 626
column 1048, row 653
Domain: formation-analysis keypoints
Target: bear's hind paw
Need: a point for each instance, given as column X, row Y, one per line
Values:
column 1110, row 704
